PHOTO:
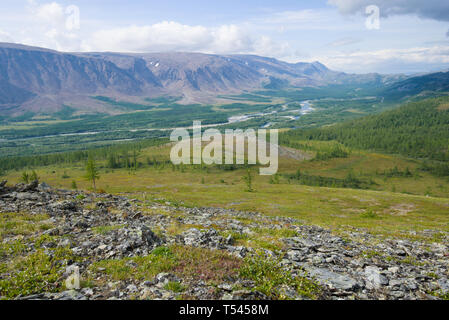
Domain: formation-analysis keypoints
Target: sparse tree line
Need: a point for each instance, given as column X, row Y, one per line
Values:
column 336, row 152
column 121, row 155
column 395, row 173
column 438, row 169
column 350, row 181
column 327, row 151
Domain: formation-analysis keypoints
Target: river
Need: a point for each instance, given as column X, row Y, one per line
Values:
column 305, row 109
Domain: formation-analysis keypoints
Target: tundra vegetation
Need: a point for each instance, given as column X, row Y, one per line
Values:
column 383, row 176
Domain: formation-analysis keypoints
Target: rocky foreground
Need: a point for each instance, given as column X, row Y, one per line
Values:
column 136, row 249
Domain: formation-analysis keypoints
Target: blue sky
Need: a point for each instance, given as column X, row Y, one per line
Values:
column 413, row 35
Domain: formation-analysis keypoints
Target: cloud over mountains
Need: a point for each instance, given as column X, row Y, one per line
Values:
column 174, row 36
column 431, row 9
column 330, row 30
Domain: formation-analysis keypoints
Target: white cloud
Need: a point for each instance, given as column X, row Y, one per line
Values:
column 303, row 20
column 337, row 39
column 266, row 46
column 50, row 13
column 390, row 60
column 47, row 27
column 432, row 9
column 5, row 37
column 173, row 36
column 230, row 38
column 307, row 16
column 160, row 37
column 344, row 42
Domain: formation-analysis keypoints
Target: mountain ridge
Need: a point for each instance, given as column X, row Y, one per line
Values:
column 43, row 81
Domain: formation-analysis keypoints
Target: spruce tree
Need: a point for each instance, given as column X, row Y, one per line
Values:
column 92, row 173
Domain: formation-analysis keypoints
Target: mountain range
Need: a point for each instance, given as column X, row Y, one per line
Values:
column 44, row 81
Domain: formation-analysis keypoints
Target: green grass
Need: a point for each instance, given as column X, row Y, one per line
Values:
column 397, row 213
column 147, row 267
column 277, row 233
column 175, row 287
column 12, row 248
column 29, row 271
column 369, row 214
column 265, row 238
column 381, row 212
column 37, row 272
column 269, row 275
column 23, row 224
column 419, row 201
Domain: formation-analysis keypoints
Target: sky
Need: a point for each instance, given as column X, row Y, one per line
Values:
column 356, row 36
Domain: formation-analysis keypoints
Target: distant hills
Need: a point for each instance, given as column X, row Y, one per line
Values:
column 424, row 85
column 43, row 81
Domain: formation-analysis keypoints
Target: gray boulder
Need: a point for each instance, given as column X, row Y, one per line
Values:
column 332, row 279
column 374, row 279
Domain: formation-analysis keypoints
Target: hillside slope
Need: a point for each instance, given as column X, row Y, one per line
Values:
column 424, row 85
column 157, row 251
column 417, row 129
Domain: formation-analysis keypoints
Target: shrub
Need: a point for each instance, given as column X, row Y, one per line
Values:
column 25, row 177
column 369, row 214
column 174, row 286
column 34, row 176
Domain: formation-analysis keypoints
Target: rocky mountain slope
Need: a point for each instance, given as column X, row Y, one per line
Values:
column 42, row 81
column 126, row 249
